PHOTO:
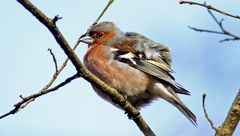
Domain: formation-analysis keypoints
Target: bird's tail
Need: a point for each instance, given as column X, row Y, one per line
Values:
column 175, row 100
column 186, row 112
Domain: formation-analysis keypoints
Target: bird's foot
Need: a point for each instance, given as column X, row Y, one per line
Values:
column 132, row 116
column 114, row 100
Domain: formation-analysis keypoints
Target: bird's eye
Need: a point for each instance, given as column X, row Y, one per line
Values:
column 99, row 35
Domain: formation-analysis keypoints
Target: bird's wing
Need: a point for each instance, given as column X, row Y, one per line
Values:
column 155, row 51
column 151, row 58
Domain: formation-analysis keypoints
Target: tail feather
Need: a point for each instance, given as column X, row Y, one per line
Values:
column 186, row 112
column 181, row 90
column 175, row 100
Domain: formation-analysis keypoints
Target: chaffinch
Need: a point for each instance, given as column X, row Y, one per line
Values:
column 139, row 68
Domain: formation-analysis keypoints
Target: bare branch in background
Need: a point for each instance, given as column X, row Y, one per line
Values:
column 54, row 59
column 209, row 7
column 28, row 99
column 230, row 123
column 205, row 112
column 98, row 18
column 223, row 31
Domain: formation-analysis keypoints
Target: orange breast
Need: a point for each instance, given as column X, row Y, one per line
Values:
column 126, row 79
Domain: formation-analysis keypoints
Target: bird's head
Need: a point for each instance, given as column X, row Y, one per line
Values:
column 102, row 33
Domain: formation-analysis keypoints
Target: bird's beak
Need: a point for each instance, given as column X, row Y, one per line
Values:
column 86, row 39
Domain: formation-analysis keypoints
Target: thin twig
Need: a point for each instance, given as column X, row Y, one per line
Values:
column 86, row 74
column 44, row 90
column 205, row 112
column 209, row 7
column 220, row 24
column 104, row 10
column 205, row 30
column 54, row 59
column 28, row 99
column 98, row 18
column 230, row 39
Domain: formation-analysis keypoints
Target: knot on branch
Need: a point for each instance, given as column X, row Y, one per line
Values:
column 56, row 18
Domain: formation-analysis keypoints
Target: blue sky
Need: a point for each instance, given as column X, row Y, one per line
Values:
column 201, row 65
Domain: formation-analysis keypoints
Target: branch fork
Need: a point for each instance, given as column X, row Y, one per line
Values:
column 80, row 68
column 232, row 37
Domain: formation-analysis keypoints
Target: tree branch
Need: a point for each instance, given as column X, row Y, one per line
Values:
column 219, row 23
column 22, row 104
column 205, row 112
column 98, row 18
column 113, row 93
column 230, row 123
column 104, row 10
column 28, row 99
column 54, row 59
column 56, row 18
column 232, row 119
column 209, row 7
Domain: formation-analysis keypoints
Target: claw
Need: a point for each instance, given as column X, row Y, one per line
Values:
column 133, row 116
column 114, row 100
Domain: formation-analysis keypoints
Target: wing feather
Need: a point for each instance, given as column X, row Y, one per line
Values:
column 154, row 70
column 151, row 58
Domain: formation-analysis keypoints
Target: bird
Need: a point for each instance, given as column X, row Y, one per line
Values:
column 138, row 67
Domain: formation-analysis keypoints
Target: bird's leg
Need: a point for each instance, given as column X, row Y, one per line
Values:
column 132, row 116
column 114, row 100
